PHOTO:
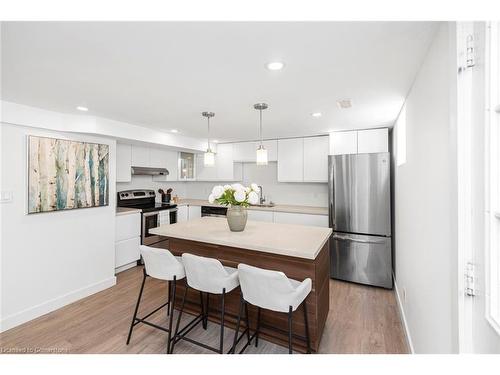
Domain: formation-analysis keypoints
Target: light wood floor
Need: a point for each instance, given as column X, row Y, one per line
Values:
column 361, row 320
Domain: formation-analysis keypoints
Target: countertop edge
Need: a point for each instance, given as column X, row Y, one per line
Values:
column 309, row 210
column 247, row 247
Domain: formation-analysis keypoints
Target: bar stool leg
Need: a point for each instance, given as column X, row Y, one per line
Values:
column 168, row 303
column 307, row 328
column 179, row 318
column 171, row 314
column 247, row 319
column 233, row 349
column 203, row 312
column 207, row 310
column 257, row 330
column 221, row 344
column 136, row 307
column 290, row 330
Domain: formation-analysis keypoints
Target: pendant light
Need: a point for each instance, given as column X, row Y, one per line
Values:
column 261, row 151
column 209, row 157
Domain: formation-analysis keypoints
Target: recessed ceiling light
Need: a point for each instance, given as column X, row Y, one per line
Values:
column 215, row 141
column 316, row 114
column 344, row 103
column 276, row 65
column 174, row 131
column 81, row 108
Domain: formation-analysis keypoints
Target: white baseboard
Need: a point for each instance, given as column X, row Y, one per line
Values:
column 125, row 267
column 403, row 318
column 54, row 304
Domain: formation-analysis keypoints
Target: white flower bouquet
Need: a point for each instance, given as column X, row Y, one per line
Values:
column 235, row 195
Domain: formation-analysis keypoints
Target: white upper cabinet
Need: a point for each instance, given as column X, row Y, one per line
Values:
column 246, row 151
column 140, row 156
column 373, row 140
column 291, row 160
column 123, row 162
column 224, row 163
column 316, row 159
column 160, row 158
column 359, row 141
column 344, row 143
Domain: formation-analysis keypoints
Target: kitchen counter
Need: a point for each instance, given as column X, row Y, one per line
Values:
column 298, row 251
column 311, row 210
column 126, row 211
column 292, row 240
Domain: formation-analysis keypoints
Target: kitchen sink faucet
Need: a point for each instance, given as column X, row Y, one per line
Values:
column 262, row 199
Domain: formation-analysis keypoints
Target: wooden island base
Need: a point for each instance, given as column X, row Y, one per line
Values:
column 294, row 267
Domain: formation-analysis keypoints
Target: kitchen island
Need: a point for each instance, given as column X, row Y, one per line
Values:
column 298, row 251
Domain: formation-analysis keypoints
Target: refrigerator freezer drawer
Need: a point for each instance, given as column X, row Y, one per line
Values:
column 361, row 259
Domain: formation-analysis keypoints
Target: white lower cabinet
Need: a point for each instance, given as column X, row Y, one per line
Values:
column 127, row 251
column 127, row 239
column 255, row 215
column 127, row 226
column 301, row 219
column 182, row 213
column 194, row 212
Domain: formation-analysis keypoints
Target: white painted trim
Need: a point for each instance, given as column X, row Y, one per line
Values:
column 125, row 267
column 403, row 318
column 54, row 304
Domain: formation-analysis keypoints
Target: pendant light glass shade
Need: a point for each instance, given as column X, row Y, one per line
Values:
column 209, row 156
column 261, row 155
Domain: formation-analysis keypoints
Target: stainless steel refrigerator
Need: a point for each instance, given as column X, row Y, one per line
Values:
column 360, row 216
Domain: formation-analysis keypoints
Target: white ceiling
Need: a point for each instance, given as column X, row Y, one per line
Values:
column 163, row 75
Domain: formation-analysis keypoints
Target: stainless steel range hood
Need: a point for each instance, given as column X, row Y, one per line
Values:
column 147, row 171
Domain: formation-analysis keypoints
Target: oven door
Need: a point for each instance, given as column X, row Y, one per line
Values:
column 150, row 220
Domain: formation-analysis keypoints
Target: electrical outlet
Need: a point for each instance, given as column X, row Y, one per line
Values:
column 6, row 196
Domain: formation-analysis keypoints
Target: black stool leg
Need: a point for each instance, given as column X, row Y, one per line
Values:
column 207, row 310
column 203, row 312
column 257, row 330
column 179, row 318
column 136, row 307
column 168, row 303
column 290, row 330
column 238, row 324
column 307, row 328
column 171, row 307
column 247, row 319
column 221, row 344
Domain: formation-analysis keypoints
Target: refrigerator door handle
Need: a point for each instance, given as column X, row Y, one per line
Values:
column 344, row 238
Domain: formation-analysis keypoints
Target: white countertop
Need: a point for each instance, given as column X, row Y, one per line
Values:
column 126, row 211
column 284, row 239
column 311, row 210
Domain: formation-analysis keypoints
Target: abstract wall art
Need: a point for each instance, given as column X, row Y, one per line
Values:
column 64, row 174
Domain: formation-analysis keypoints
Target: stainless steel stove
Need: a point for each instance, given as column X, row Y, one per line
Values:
column 152, row 214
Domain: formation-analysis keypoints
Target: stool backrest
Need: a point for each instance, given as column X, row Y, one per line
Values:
column 205, row 274
column 161, row 263
column 265, row 288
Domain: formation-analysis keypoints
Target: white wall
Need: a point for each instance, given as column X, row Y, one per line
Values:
column 426, row 203
column 307, row 194
column 49, row 259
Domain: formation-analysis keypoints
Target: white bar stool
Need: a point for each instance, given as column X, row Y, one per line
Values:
column 206, row 275
column 163, row 265
column 273, row 290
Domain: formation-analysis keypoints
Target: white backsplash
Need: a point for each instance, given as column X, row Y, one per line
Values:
column 306, row 194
